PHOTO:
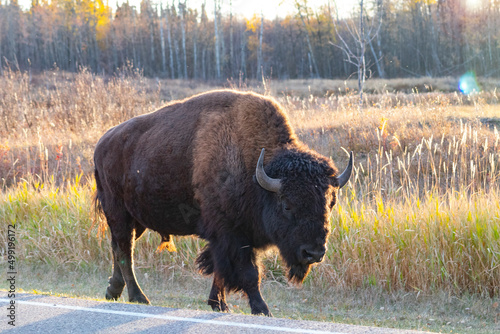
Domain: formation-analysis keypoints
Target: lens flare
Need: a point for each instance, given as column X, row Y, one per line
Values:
column 468, row 83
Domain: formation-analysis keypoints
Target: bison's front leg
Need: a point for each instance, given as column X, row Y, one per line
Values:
column 237, row 264
column 257, row 303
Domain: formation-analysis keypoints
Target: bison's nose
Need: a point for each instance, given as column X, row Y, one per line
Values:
column 309, row 254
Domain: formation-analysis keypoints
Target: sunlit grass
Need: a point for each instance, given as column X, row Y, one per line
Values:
column 420, row 215
column 438, row 242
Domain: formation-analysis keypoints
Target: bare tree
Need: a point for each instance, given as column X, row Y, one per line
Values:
column 151, row 35
column 204, row 39
column 260, row 70
column 195, row 50
column 433, row 37
column 217, row 42
column 243, row 47
column 361, row 36
column 379, row 61
column 162, row 43
column 169, row 38
column 231, row 46
column 182, row 7
column 310, row 56
column 176, row 42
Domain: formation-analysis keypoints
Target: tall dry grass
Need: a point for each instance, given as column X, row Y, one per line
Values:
column 420, row 213
column 49, row 123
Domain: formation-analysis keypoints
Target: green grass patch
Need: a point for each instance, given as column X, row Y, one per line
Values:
column 434, row 266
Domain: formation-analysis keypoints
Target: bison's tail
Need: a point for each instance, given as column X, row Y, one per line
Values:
column 205, row 262
column 98, row 213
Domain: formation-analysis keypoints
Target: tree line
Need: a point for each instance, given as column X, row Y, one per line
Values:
column 398, row 38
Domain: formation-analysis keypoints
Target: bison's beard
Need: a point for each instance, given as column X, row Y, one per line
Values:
column 298, row 272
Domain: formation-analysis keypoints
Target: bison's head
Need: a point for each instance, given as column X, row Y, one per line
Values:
column 301, row 189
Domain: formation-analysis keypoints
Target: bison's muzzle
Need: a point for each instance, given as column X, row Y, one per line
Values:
column 308, row 254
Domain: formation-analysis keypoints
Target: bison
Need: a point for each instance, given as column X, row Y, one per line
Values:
column 225, row 166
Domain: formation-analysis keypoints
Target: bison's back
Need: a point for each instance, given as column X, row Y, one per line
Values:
column 204, row 147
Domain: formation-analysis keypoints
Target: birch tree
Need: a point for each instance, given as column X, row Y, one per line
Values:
column 162, row 42
column 243, row 47
column 217, row 42
column 231, row 46
column 260, row 70
column 170, row 49
column 182, row 7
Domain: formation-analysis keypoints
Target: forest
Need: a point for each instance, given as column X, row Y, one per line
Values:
column 397, row 38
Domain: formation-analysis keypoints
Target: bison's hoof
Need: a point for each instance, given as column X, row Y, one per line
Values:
column 268, row 314
column 139, row 299
column 265, row 312
column 111, row 295
column 224, row 307
column 219, row 306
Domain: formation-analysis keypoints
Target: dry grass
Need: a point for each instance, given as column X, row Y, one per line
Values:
column 51, row 122
column 420, row 215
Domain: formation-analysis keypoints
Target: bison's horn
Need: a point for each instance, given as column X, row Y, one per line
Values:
column 265, row 181
column 346, row 174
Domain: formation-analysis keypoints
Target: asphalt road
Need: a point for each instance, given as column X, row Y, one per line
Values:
column 48, row 314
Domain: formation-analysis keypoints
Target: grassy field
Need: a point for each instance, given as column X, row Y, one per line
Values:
column 416, row 234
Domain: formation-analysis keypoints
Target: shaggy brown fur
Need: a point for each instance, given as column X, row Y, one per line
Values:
column 152, row 171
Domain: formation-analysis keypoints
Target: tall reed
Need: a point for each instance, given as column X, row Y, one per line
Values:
column 420, row 212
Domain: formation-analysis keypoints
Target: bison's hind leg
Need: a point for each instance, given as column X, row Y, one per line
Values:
column 116, row 282
column 122, row 241
column 217, row 297
column 124, row 231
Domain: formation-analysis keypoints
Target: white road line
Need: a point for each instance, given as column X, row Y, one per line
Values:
column 175, row 318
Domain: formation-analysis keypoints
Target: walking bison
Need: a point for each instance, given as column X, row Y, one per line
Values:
column 225, row 166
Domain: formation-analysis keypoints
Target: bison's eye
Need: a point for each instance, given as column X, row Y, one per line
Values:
column 287, row 209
